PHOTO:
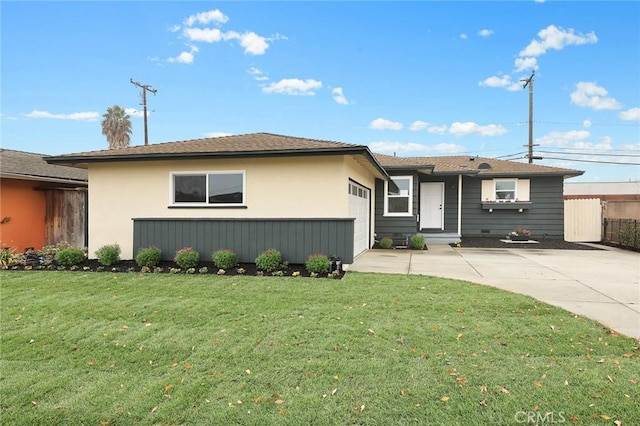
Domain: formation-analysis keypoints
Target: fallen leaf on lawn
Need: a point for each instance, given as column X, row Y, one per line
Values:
column 247, row 371
column 215, row 341
column 453, row 373
column 282, row 411
column 552, row 327
column 538, row 384
column 458, row 336
column 91, row 362
column 444, row 398
column 154, row 409
column 308, row 374
column 168, row 387
column 258, row 399
column 104, row 422
column 574, row 418
column 187, row 366
column 484, row 388
column 461, row 381
column 34, row 402
column 504, row 390
column 435, row 329
column 627, row 355
column 617, row 423
column 601, row 360
column 615, row 361
column 483, row 403
column 279, row 401
column 604, row 416
column 371, row 331
column 544, row 376
column 362, row 408
column 610, row 378
column 566, row 383
column 333, row 392
column 336, row 377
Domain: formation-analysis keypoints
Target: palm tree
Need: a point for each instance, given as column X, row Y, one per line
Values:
column 116, row 126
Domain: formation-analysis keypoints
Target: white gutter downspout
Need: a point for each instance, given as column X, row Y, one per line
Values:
column 459, row 205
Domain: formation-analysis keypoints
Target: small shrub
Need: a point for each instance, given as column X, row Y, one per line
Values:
column 386, row 243
column 108, row 255
column 203, row 270
column 187, row 258
column 224, row 259
column 47, row 255
column 269, row 260
column 318, row 263
column 69, row 256
column 416, row 242
column 7, row 257
column 149, row 257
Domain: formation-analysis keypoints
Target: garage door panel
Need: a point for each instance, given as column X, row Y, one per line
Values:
column 360, row 209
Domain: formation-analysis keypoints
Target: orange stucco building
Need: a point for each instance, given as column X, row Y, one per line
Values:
column 40, row 203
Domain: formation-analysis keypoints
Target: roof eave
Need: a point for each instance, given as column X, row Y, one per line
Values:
column 82, row 161
column 43, row 178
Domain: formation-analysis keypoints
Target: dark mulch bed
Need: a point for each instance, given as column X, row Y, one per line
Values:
column 168, row 267
column 543, row 243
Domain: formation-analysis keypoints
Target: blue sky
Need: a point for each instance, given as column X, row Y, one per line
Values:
column 411, row 78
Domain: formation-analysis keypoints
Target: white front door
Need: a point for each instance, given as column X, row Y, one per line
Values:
column 359, row 208
column 432, row 205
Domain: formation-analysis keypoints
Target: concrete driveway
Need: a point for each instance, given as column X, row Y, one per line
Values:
column 603, row 285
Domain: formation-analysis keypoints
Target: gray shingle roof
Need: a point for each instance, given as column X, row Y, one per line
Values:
column 466, row 164
column 29, row 165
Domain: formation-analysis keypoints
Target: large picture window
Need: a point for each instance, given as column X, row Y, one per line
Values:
column 208, row 188
column 398, row 199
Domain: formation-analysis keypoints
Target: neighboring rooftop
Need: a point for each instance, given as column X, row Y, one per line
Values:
column 32, row 166
column 465, row 164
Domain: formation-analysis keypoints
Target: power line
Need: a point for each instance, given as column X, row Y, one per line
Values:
column 592, row 161
column 591, row 154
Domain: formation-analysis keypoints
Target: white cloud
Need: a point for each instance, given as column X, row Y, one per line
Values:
column 564, row 139
column 185, row 57
column 206, row 17
column 590, row 95
column 632, row 114
column 463, row 36
column 257, row 74
column 586, row 123
column 174, row 28
column 485, row 32
column 338, row 96
column 523, row 64
column 496, row 81
column 206, row 35
column 293, row 86
column 461, row 129
column 217, row 134
column 253, row 43
column 386, row 146
column 134, row 112
column 418, row 125
column 384, row 124
column 556, row 38
column 77, row 116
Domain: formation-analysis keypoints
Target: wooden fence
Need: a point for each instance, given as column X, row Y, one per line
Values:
column 583, row 220
column 625, row 232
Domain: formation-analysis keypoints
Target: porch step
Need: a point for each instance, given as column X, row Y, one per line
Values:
column 441, row 238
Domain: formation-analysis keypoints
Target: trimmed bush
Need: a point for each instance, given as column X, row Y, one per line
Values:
column 69, row 256
column 318, row 264
column 224, row 259
column 416, row 242
column 187, row 258
column 269, row 260
column 386, row 243
column 149, row 257
column 108, row 255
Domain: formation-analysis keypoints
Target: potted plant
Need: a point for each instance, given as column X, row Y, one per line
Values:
column 519, row 234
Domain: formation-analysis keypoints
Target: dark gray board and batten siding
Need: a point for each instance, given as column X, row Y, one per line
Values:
column 296, row 239
column 544, row 217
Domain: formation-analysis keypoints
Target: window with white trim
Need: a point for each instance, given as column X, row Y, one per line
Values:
column 506, row 190
column 219, row 188
column 398, row 196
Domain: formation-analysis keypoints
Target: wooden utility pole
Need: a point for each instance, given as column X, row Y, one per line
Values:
column 529, row 82
column 145, row 88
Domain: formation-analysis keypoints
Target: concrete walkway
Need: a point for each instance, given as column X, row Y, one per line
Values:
column 603, row 285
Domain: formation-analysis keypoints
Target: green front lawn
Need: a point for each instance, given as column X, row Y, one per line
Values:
column 120, row 349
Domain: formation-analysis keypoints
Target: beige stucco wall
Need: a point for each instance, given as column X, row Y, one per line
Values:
column 292, row 187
